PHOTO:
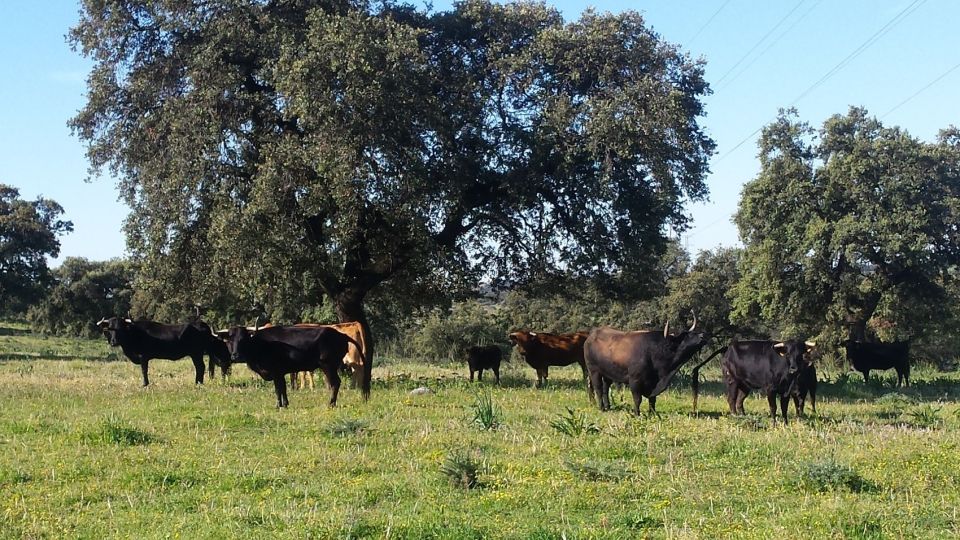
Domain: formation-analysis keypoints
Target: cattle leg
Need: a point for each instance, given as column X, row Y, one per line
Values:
column 772, row 401
column 784, row 403
column 143, row 370
column 333, row 381
column 479, row 374
column 653, row 404
column 586, row 377
column 637, row 397
column 866, row 376
column 280, row 386
column 600, row 390
column 198, row 365
column 798, row 402
column 541, row 377
column 813, row 400
column 731, row 396
column 471, row 374
column 741, row 396
column 496, row 374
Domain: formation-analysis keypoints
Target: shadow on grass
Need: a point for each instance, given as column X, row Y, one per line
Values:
column 848, row 389
column 19, row 357
column 7, row 331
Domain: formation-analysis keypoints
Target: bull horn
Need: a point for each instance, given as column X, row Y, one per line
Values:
column 196, row 309
column 256, row 324
column 810, row 344
column 666, row 328
column 103, row 322
column 694, row 321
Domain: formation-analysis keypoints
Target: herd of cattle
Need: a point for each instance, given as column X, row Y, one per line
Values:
column 643, row 361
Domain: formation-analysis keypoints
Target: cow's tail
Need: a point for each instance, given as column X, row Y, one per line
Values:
column 365, row 364
column 695, row 380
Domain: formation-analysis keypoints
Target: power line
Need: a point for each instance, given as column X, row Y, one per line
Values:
column 904, row 13
column 920, row 91
column 758, row 43
column 710, row 20
column 775, row 41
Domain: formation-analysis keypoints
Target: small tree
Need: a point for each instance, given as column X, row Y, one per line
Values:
column 29, row 233
column 83, row 292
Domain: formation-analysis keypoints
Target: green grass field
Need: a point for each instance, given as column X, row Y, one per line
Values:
column 85, row 452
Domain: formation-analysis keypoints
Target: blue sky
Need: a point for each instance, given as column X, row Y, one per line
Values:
column 761, row 55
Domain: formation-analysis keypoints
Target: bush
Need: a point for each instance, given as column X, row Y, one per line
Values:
column 462, row 469
column 445, row 335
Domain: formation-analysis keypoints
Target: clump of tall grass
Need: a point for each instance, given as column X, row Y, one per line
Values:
column 462, row 469
column 925, row 416
column 113, row 430
column 486, row 415
column 830, row 475
column 346, row 426
column 574, row 424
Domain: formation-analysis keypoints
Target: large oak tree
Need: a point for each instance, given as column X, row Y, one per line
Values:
column 850, row 230
column 289, row 149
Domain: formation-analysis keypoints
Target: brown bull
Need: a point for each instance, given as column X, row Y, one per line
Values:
column 542, row 349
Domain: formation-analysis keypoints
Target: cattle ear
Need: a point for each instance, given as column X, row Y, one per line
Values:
column 781, row 348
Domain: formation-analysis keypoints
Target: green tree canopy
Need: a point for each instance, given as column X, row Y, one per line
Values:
column 83, row 292
column 851, row 229
column 707, row 289
column 29, row 232
column 284, row 150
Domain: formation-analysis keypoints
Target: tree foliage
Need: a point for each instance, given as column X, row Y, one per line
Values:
column 29, row 232
column 83, row 292
column 852, row 229
column 285, row 150
column 707, row 289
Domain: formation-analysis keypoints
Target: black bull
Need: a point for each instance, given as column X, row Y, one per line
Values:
column 773, row 367
column 142, row 341
column 880, row 356
column 276, row 351
column 645, row 361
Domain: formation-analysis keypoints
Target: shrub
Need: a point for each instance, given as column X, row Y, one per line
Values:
column 829, row 475
column 462, row 469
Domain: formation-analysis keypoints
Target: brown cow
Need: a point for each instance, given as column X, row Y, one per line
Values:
column 353, row 358
column 542, row 349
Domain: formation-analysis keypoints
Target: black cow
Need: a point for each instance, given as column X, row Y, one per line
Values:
column 645, row 361
column 866, row 356
column 806, row 384
column 481, row 357
column 772, row 367
column 276, row 351
column 142, row 341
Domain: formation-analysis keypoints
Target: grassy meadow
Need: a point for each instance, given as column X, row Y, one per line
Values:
column 85, row 452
